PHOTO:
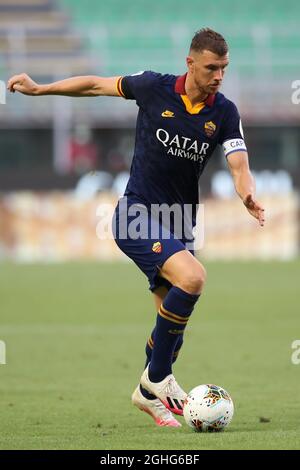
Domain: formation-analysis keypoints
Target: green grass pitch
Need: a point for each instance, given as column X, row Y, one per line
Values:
column 75, row 336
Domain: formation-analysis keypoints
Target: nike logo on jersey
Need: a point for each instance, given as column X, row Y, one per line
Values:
column 168, row 113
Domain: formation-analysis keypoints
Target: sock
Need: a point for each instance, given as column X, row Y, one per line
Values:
column 171, row 321
column 150, row 344
column 149, row 348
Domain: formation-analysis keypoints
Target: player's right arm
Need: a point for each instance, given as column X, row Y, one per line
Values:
column 89, row 85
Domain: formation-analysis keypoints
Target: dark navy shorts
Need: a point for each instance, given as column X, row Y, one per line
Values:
column 144, row 239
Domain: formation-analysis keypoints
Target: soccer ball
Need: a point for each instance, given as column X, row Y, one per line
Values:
column 208, row 408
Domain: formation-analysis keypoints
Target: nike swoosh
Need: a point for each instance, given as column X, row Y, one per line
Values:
column 167, row 114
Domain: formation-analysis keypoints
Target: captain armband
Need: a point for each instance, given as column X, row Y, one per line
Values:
column 234, row 145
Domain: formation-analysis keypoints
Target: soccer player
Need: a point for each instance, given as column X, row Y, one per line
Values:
column 180, row 122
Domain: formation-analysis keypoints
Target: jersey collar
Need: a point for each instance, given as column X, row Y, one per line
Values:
column 180, row 89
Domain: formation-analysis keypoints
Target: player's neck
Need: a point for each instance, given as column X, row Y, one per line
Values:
column 194, row 94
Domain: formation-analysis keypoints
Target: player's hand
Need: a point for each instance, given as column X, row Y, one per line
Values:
column 22, row 83
column 255, row 209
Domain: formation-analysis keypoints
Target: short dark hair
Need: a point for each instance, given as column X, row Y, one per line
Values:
column 207, row 39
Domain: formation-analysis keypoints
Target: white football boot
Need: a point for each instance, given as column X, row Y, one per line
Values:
column 161, row 415
column 168, row 391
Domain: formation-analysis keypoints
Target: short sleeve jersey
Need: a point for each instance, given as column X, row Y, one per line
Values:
column 174, row 140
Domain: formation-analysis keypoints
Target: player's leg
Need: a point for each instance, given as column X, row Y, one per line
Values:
column 184, row 271
column 158, row 300
column 158, row 295
column 145, row 400
column 141, row 251
column 154, row 257
column 187, row 276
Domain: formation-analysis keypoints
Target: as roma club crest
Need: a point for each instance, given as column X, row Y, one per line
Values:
column 156, row 247
column 209, row 128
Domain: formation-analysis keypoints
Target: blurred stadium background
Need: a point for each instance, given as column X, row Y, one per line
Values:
column 61, row 157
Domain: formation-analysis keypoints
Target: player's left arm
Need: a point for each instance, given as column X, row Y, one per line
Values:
column 244, row 183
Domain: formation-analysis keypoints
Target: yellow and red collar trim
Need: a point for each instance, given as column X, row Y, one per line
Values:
column 180, row 89
column 189, row 107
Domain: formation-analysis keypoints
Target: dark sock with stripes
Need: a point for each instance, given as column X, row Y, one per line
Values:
column 149, row 348
column 171, row 321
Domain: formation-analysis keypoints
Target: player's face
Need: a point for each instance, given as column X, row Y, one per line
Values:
column 207, row 70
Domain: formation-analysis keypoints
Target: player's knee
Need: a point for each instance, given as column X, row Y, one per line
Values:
column 193, row 282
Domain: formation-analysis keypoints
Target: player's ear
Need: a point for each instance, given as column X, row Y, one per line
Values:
column 190, row 63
